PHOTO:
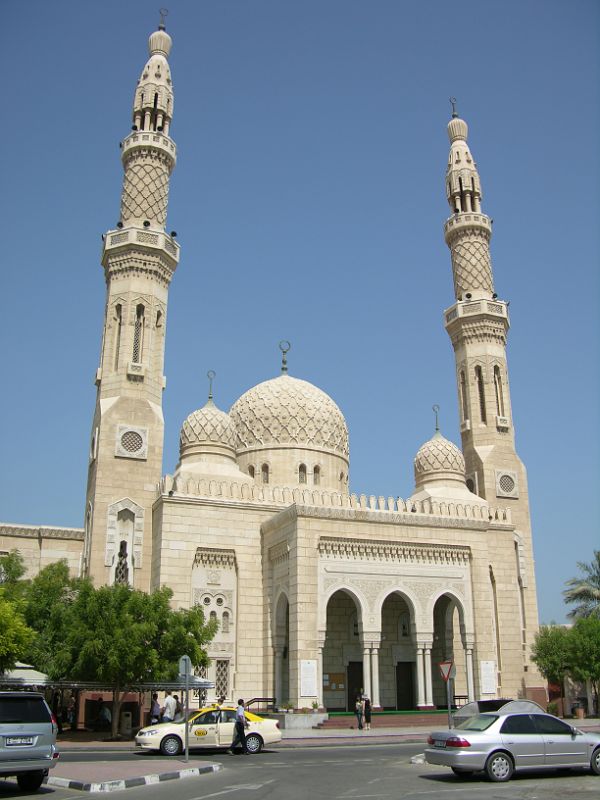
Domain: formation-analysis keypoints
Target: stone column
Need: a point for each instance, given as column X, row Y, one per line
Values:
column 320, row 648
column 470, row 680
column 420, row 679
column 367, row 671
column 428, row 685
column 375, row 702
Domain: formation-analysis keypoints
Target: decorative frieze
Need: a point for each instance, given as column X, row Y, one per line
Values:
column 385, row 552
column 41, row 532
column 214, row 557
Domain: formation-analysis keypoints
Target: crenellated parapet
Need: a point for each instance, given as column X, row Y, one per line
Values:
column 393, row 509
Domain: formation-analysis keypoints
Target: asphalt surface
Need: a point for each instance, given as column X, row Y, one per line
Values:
column 92, row 764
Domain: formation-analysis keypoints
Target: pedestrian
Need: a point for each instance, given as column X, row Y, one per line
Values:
column 178, row 709
column 367, row 713
column 72, row 712
column 104, row 718
column 358, row 710
column 57, row 710
column 168, row 710
column 239, row 732
column 154, row 709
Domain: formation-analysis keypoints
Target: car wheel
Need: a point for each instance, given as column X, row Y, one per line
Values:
column 595, row 762
column 254, row 743
column 30, row 781
column 499, row 767
column 170, row 746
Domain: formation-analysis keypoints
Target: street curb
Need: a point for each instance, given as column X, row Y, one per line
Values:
column 130, row 783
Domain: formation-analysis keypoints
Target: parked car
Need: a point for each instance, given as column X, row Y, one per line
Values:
column 501, row 742
column 210, row 727
column 27, row 738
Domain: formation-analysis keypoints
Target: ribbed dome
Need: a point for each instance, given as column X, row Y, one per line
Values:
column 289, row 411
column 457, row 129
column 208, row 425
column 439, row 455
column 159, row 42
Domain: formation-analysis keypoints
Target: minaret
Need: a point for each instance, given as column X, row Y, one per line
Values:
column 478, row 325
column 139, row 259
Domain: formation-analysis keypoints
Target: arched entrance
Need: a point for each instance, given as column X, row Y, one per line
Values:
column 397, row 654
column 281, row 648
column 342, row 654
column 448, row 645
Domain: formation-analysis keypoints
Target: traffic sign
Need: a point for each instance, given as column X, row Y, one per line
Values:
column 185, row 666
column 446, row 669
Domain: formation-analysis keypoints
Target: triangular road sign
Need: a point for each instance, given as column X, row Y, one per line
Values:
column 445, row 669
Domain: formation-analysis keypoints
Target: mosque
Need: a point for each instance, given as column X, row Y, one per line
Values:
column 320, row 594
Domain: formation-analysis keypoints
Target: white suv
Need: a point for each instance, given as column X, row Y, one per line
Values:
column 27, row 738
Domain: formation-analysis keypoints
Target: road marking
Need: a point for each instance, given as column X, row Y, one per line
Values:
column 252, row 787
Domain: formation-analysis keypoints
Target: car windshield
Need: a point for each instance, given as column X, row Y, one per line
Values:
column 480, row 722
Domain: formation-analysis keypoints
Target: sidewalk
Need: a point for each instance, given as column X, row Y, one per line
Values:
column 143, row 768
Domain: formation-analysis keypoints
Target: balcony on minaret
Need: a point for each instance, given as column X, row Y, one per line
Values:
column 124, row 238
column 480, row 307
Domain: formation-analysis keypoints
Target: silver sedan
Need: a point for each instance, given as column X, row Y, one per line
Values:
column 501, row 743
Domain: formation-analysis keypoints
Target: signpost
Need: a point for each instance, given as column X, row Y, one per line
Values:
column 185, row 670
column 448, row 673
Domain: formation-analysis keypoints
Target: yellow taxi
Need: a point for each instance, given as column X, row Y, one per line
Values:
column 209, row 727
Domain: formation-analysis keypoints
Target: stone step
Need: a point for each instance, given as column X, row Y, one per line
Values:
column 430, row 720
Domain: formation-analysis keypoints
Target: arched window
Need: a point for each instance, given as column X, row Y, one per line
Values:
column 265, row 473
column 481, row 394
column 499, row 392
column 213, row 616
column 251, row 471
column 317, row 475
column 225, row 622
column 118, row 326
column 302, row 473
column 138, row 335
column 463, row 396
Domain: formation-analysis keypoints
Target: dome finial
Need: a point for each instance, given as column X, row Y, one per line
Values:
column 453, row 104
column 163, row 13
column 435, row 408
column 210, row 375
column 285, row 347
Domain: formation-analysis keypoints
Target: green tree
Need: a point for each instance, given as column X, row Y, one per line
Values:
column 15, row 636
column 584, row 652
column 585, row 590
column 551, row 653
column 48, row 599
column 12, row 569
column 123, row 637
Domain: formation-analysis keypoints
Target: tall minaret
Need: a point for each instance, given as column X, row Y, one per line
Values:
column 478, row 325
column 139, row 259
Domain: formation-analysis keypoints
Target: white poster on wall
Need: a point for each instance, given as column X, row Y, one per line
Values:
column 308, row 678
column 487, row 677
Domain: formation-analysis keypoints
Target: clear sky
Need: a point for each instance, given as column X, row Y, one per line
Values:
column 309, row 204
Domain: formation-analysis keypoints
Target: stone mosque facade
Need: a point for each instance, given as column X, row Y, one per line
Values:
column 319, row 594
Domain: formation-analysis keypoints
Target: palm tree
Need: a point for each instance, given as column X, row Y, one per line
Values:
column 585, row 591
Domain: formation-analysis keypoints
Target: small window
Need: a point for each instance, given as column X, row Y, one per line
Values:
column 220, row 601
column 302, row 473
column 265, row 473
column 225, row 622
column 251, row 471
column 481, row 393
column 317, row 476
column 206, row 601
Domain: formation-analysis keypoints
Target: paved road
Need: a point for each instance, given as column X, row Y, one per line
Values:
column 370, row 772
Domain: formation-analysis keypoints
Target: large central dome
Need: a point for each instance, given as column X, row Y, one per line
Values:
column 289, row 411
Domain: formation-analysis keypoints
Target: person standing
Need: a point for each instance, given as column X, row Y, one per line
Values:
column 367, row 713
column 154, row 709
column 239, row 733
column 358, row 710
column 168, row 710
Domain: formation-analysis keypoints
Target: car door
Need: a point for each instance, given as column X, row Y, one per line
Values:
column 563, row 746
column 226, row 727
column 522, row 739
column 204, row 729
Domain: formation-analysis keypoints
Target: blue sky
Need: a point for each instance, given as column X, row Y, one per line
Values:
column 309, row 203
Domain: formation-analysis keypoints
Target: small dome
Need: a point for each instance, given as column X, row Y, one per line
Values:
column 457, row 129
column 439, row 457
column 159, row 43
column 207, row 425
column 289, row 411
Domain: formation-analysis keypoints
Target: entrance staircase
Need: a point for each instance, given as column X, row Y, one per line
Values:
column 389, row 719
